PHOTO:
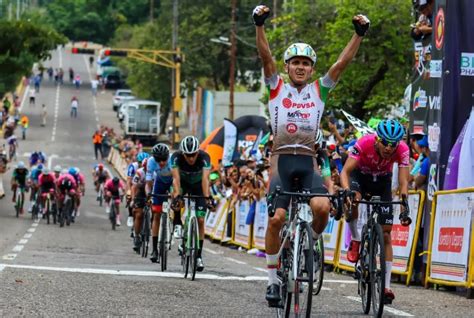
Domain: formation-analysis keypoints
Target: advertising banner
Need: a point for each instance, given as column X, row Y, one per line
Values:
column 346, row 238
column 450, row 240
column 331, row 240
column 230, row 142
column 404, row 236
column 260, row 224
column 219, row 232
column 241, row 228
column 213, row 218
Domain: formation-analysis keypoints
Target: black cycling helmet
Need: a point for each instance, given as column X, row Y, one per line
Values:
column 160, row 152
column 189, row 145
column 116, row 180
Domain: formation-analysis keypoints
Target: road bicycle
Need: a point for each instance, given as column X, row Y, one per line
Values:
column 145, row 231
column 19, row 199
column 370, row 268
column 190, row 239
column 66, row 212
column 114, row 205
column 100, row 194
column 300, row 260
column 46, row 206
column 166, row 232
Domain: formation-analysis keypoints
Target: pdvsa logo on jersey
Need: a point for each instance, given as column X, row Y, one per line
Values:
column 299, row 115
column 450, row 239
column 286, row 102
column 291, row 128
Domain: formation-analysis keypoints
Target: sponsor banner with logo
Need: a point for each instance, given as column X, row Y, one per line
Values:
column 450, row 237
column 241, row 228
column 260, row 224
column 220, row 230
column 230, row 142
column 345, row 239
column 403, row 237
column 213, row 218
column 358, row 124
column 331, row 240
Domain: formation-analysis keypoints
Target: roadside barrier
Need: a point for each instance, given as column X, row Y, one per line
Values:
column 451, row 239
column 119, row 163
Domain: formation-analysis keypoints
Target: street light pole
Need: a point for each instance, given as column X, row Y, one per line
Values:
column 233, row 50
column 175, row 76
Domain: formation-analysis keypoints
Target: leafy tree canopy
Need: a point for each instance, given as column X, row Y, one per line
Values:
column 23, row 43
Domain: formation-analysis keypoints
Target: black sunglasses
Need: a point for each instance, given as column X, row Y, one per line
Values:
column 386, row 143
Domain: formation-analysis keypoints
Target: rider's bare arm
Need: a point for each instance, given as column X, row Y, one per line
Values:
column 403, row 173
column 345, row 57
column 269, row 66
column 205, row 182
column 349, row 166
column 176, row 182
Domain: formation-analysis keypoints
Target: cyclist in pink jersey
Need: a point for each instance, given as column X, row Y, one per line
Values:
column 295, row 110
column 114, row 188
column 65, row 184
column 368, row 170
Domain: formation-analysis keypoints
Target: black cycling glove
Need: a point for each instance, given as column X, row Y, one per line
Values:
column 361, row 29
column 259, row 19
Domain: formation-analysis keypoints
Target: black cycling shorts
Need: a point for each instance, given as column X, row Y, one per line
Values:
column 291, row 169
column 195, row 189
column 139, row 201
column 368, row 185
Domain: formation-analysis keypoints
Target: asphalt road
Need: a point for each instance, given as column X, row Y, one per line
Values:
column 88, row 270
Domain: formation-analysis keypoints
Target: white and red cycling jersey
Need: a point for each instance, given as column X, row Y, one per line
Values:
column 295, row 115
column 370, row 162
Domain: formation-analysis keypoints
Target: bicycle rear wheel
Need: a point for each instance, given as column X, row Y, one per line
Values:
column 145, row 233
column 303, row 290
column 193, row 246
column 18, row 203
column 163, row 237
column 47, row 203
column 101, row 196
column 318, row 265
column 377, row 270
column 363, row 272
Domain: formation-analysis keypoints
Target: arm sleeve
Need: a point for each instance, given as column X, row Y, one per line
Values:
column 150, row 168
column 272, row 82
column 325, row 86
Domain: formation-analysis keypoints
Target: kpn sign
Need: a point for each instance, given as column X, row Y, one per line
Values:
column 467, row 64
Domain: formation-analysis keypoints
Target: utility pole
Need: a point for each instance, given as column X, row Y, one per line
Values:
column 233, row 51
column 152, row 8
column 175, row 78
column 17, row 10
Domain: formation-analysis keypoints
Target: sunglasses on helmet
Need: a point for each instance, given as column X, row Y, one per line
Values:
column 386, row 143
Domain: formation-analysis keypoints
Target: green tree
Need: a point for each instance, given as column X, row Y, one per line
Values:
column 23, row 43
column 380, row 72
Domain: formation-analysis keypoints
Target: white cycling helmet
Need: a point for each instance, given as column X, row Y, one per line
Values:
column 57, row 168
column 189, row 145
column 319, row 137
column 300, row 49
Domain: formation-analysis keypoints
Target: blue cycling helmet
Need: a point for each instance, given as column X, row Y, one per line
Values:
column 390, row 130
column 40, row 167
column 72, row 171
column 142, row 156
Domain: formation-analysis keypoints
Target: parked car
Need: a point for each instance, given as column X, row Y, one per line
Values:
column 120, row 96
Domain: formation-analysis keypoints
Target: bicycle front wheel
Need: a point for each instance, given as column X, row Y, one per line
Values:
column 318, row 265
column 377, row 270
column 363, row 271
column 163, row 238
column 303, row 290
column 194, row 242
column 145, row 234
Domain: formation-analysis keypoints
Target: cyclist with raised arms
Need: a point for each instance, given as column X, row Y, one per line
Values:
column 158, row 181
column 368, row 169
column 295, row 134
column 191, row 168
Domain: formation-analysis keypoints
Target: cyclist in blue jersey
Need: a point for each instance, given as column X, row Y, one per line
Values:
column 33, row 183
column 158, row 181
column 37, row 157
column 131, row 170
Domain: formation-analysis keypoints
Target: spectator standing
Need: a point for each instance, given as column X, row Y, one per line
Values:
column 50, row 73
column 105, row 144
column 44, row 114
column 97, row 140
column 24, row 123
column 37, row 81
column 74, row 106
column 32, row 96
column 77, row 81
column 94, row 85
column 3, row 169
column 71, row 75
column 6, row 104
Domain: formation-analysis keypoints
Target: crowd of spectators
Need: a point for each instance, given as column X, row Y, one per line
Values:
column 106, row 138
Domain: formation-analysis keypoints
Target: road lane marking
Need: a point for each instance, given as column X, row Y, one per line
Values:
column 134, row 273
column 385, row 308
column 56, row 111
column 27, row 235
column 260, row 269
column 50, row 160
column 235, row 261
column 23, row 241
column 211, row 251
column 9, row 257
column 2, row 267
column 18, row 248
column 31, row 230
column 94, row 100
